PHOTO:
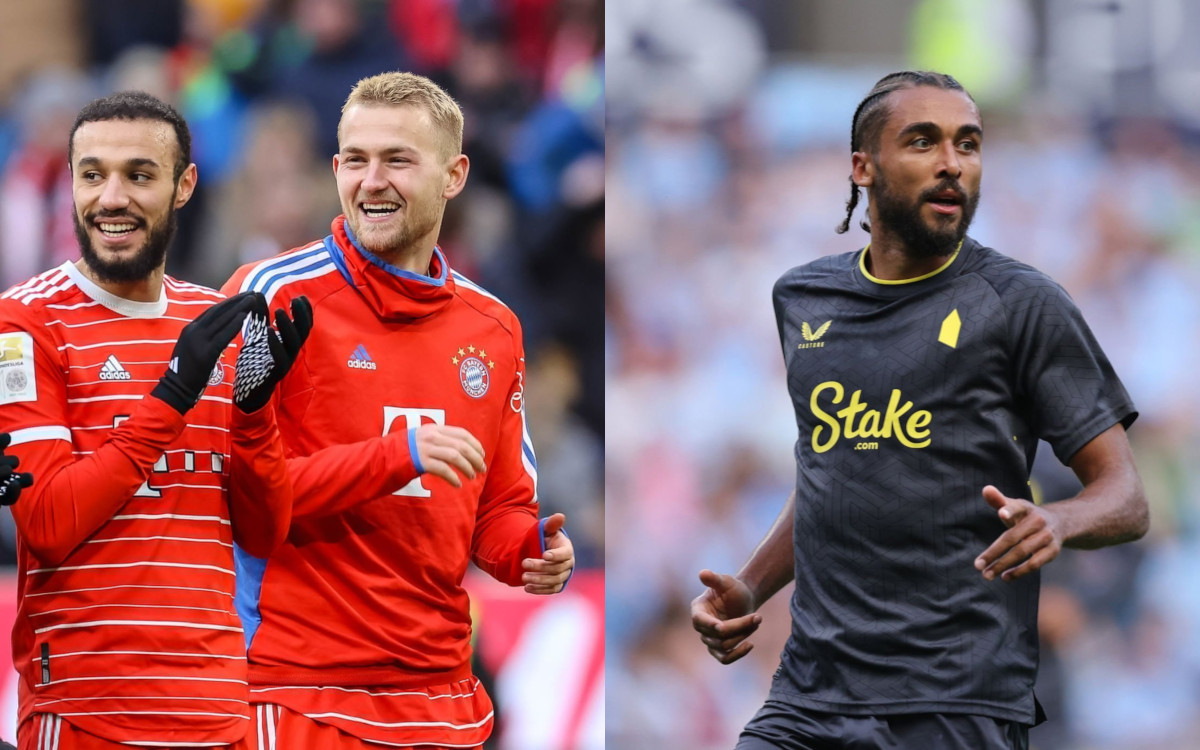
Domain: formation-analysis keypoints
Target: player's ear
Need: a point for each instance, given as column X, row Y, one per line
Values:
column 185, row 186
column 335, row 164
column 862, row 169
column 456, row 176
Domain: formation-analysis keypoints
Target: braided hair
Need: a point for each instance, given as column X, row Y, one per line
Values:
column 872, row 112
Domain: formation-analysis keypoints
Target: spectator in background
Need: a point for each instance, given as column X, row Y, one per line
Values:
column 279, row 198
column 346, row 42
column 35, row 190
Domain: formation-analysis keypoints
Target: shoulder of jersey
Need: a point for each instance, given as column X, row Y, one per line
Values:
column 185, row 290
column 269, row 276
column 1006, row 274
column 52, row 286
column 825, row 267
column 482, row 300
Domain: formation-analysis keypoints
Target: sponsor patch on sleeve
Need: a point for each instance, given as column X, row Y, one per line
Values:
column 16, row 368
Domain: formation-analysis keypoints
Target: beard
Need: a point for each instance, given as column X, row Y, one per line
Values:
column 144, row 260
column 390, row 240
column 920, row 238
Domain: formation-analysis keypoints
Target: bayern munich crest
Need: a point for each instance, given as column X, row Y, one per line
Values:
column 474, row 376
column 473, row 367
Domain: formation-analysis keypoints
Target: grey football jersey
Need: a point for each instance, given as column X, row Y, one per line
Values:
column 910, row 398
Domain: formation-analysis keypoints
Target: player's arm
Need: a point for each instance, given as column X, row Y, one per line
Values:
column 725, row 614
column 339, row 477
column 11, row 480
column 72, row 498
column 260, row 491
column 73, row 495
column 510, row 543
column 1073, row 396
column 1111, row 509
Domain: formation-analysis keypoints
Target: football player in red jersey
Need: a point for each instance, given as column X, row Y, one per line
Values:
column 358, row 627
column 155, row 448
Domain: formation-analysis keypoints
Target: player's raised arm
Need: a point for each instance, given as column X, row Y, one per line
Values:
column 260, row 493
column 725, row 614
column 77, row 494
column 1111, row 509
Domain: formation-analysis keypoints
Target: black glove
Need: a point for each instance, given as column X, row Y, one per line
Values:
column 11, row 481
column 267, row 354
column 199, row 349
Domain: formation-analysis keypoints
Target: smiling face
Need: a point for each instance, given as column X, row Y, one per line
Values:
column 126, row 196
column 924, row 178
column 394, row 178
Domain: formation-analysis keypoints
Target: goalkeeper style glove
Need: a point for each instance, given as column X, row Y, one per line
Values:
column 268, row 353
column 199, row 349
column 11, row 482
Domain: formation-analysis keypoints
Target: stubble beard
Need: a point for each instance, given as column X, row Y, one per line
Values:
column 920, row 239
column 399, row 240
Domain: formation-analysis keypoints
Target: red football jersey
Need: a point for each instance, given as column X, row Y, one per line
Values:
column 126, row 626
column 360, row 618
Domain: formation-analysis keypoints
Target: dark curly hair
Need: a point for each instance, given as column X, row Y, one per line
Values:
column 136, row 105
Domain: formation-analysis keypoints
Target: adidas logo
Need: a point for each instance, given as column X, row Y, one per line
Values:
column 360, row 360
column 112, row 370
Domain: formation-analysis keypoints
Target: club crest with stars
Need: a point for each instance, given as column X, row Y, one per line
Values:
column 474, row 369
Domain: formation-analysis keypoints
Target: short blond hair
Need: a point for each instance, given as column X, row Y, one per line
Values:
column 396, row 88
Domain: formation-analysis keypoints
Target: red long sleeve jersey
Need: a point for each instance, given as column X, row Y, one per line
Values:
column 367, row 589
column 126, row 625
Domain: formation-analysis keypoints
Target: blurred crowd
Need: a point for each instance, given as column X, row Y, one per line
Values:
column 711, row 209
column 261, row 83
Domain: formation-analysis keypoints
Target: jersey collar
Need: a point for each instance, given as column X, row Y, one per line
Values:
column 119, row 305
column 862, row 266
column 394, row 294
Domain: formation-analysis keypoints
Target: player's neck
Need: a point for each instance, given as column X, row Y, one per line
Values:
column 414, row 258
column 411, row 259
column 146, row 289
column 889, row 259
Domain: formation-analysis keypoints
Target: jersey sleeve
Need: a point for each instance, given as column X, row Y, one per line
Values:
column 71, row 497
column 506, row 526
column 260, row 493
column 1066, row 385
column 338, row 477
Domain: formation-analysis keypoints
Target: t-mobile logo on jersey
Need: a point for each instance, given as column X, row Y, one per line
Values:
column 413, row 418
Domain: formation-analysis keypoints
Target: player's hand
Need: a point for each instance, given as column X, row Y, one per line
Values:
column 268, row 353
column 199, row 348
column 446, row 451
column 11, row 481
column 1032, row 539
column 549, row 574
column 724, row 616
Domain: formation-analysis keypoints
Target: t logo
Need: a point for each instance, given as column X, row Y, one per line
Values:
column 413, row 418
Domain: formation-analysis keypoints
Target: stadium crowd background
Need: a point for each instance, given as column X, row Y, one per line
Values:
column 727, row 163
column 261, row 83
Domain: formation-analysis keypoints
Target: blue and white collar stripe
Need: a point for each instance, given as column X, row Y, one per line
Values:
column 393, row 270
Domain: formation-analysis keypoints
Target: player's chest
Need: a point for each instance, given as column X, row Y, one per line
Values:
column 372, row 378
column 862, row 355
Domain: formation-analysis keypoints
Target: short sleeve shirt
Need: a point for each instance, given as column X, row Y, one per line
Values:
column 909, row 398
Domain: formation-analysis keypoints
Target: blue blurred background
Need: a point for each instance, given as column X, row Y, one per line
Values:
column 261, row 83
column 726, row 164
